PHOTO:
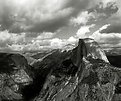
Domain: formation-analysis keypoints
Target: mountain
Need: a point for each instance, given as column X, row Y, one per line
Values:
column 81, row 73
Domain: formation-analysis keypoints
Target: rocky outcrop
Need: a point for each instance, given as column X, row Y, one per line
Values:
column 81, row 74
column 14, row 75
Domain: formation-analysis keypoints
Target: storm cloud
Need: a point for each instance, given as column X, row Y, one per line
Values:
column 38, row 15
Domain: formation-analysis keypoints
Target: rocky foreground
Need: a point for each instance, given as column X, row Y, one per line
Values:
column 81, row 74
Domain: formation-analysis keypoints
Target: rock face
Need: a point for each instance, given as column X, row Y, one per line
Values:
column 81, row 74
column 14, row 75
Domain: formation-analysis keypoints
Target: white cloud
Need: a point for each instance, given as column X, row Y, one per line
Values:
column 16, row 47
column 46, row 44
column 10, row 38
column 82, row 18
column 104, row 27
column 107, row 39
column 72, row 40
column 57, row 43
column 97, row 35
column 18, row 42
column 82, row 32
column 105, row 2
column 45, row 35
column 32, row 47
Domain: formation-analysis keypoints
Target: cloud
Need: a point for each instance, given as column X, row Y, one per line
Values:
column 54, row 14
column 82, row 18
column 38, row 15
column 46, row 44
column 103, row 27
column 35, row 26
column 15, row 47
column 107, row 8
column 107, row 39
column 19, row 42
column 72, row 40
column 117, row 16
column 7, row 38
column 6, row 10
column 104, row 10
column 113, row 28
column 45, row 35
column 49, row 16
column 54, row 43
column 98, row 10
column 83, row 31
column 57, row 43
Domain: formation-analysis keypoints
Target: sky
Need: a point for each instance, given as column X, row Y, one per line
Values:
column 34, row 25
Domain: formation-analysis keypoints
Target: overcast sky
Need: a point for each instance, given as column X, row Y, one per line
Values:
column 27, row 25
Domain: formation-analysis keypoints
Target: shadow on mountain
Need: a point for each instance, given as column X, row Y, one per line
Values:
column 115, row 60
column 31, row 91
column 15, row 73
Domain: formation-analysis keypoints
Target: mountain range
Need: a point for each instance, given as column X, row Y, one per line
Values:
column 81, row 73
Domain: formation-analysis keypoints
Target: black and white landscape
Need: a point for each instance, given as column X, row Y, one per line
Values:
column 60, row 50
